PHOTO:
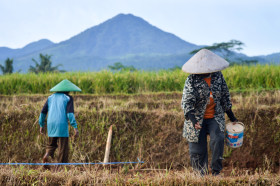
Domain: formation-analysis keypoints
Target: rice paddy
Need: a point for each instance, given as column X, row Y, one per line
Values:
column 238, row 78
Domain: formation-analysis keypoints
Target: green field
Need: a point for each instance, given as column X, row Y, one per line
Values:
column 238, row 78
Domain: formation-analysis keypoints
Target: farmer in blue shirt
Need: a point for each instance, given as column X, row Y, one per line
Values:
column 60, row 109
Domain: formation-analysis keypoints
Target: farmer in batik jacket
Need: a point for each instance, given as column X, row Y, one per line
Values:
column 60, row 108
column 205, row 100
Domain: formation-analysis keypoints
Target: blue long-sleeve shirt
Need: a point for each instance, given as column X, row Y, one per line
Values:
column 60, row 109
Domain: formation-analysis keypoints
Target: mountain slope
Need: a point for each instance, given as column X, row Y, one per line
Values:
column 28, row 49
column 124, row 38
column 272, row 58
column 127, row 34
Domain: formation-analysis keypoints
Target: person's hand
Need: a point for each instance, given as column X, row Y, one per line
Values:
column 197, row 126
column 41, row 130
column 235, row 122
column 76, row 133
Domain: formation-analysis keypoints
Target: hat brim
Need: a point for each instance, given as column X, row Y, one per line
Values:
column 204, row 61
column 65, row 86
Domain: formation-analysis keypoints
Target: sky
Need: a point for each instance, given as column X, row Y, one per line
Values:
column 203, row 22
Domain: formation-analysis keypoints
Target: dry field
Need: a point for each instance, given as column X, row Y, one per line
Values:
column 145, row 126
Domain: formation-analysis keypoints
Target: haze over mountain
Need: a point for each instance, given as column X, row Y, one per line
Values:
column 124, row 38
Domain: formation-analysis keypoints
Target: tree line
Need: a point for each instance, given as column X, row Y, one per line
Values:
column 41, row 66
column 45, row 65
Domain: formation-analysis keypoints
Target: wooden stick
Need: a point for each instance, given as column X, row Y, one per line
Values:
column 108, row 145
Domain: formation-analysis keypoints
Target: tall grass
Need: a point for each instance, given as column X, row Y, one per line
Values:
column 253, row 77
column 260, row 77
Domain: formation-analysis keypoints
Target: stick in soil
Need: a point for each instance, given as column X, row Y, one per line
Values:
column 108, row 145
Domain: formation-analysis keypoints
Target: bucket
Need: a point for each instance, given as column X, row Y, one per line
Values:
column 234, row 134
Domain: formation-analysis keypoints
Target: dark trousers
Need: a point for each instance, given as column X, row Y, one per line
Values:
column 63, row 148
column 198, row 151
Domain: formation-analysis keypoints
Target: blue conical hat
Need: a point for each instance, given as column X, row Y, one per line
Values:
column 65, row 86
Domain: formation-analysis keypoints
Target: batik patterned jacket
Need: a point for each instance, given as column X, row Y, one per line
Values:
column 195, row 97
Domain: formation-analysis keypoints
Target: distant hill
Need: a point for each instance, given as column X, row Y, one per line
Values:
column 28, row 49
column 272, row 58
column 124, row 38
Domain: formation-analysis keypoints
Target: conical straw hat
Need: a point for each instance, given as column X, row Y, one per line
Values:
column 65, row 86
column 204, row 61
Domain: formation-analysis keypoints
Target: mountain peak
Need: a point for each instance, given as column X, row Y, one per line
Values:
column 125, row 18
column 124, row 38
column 40, row 43
column 124, row 15
column 127, row 34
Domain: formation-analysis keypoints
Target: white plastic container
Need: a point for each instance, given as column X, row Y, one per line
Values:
column 234, row 134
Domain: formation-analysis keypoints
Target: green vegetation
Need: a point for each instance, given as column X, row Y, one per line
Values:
column 120, row 67
column 238, row 78
column 45, row 65
column 8, row 68
column 227, row 49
